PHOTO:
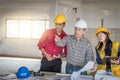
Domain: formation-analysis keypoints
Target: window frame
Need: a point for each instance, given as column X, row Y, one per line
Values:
column 31, row 33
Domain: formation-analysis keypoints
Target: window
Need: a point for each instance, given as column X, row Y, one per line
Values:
column 26, row 28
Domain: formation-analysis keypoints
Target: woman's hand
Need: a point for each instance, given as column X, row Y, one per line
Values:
column 115, row 61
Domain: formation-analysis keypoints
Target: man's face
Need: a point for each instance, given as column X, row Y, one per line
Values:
column 101, row 37
column 79, row 32
column 59, row 27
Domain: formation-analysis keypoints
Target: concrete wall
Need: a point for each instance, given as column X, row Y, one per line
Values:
column 92, row 12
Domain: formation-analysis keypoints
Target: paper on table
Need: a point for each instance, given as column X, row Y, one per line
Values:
column 76, row 75
column 88, row 66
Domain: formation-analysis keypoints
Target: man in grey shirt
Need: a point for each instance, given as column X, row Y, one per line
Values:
column 79, row 48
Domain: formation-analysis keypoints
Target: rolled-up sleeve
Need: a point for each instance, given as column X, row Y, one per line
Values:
column 42, row 40
column 62, row 42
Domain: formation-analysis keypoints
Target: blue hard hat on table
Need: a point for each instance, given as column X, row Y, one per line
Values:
column 23, row 72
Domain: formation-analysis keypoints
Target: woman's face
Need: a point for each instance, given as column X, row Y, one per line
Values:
column 101, row 37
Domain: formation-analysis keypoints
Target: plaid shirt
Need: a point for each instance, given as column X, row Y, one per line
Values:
column 79, row 52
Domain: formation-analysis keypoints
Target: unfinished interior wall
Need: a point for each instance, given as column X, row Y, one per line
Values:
column 91, row 12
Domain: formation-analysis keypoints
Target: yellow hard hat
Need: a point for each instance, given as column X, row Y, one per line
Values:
column 60, row 18
column 102, row 29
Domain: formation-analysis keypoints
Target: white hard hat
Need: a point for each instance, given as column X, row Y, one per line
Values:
column 81, row 24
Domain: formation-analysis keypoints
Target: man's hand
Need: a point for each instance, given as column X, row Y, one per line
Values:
column 48, row 56
column 57, row 38
column 58, row 56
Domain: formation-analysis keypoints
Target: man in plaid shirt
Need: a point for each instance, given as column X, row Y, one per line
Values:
column 79, row 48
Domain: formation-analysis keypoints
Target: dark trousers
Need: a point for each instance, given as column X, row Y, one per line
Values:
column 51, row 66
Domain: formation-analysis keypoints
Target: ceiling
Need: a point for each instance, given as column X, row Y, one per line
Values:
column 100, row 0
column 53, row 0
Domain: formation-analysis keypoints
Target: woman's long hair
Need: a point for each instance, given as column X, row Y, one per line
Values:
column 108, row 47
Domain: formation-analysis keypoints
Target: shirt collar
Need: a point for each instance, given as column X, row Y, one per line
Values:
column 63, row 33
column 80, row 39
